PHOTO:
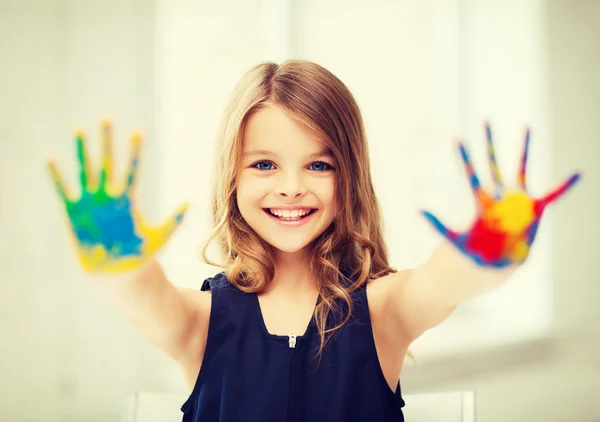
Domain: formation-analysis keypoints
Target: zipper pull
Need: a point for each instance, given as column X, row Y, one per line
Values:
column 292, row 340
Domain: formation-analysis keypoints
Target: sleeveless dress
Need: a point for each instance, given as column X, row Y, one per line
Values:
column 250, row 375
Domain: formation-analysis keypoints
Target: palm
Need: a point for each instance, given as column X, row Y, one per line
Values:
column 110, row 234
column 99, row 219
column 507, row 220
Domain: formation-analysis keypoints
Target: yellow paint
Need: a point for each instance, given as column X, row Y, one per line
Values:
column 519, row 251
column 512, row 214
column 98, row 260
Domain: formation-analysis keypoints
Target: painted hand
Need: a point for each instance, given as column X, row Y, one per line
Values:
column 110, row 234
column 507, row 221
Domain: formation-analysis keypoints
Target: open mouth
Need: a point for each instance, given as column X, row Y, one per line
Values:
column 290, row 216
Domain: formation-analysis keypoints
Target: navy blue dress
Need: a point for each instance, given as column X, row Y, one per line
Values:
column 250, row 375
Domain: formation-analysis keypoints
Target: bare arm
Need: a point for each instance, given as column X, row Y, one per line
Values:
column 424, row 297
column 470, row 263
column 174, row 319
column 116, row 246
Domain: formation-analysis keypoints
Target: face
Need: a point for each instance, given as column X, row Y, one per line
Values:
column 286, row 182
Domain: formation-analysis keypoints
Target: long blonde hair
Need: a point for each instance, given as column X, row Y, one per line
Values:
column 351, row 250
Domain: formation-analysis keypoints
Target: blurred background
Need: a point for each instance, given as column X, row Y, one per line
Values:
column 424, row 73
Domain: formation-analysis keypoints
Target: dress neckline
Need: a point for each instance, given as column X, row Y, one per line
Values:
column 280, row 337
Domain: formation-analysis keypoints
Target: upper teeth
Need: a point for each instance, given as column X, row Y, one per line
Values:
column 289, row 213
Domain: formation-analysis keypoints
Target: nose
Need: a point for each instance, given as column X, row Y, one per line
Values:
column 291, row 185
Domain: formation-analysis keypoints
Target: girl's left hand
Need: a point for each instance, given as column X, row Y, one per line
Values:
column 507, row 221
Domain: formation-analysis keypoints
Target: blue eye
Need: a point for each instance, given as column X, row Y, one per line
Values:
column 267, row 165
column 321, row 166
column 260, row 165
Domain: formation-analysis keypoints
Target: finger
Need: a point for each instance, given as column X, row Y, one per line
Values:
column 85, row 173
column 522, row 176
column 558, row 192
column 496, row 176
column 133, row 167
column 106, row 174
column 174, row 220
column 437, row 224
column 160, row 235
column 58, row 182
column 473, row 179
column 532, row 231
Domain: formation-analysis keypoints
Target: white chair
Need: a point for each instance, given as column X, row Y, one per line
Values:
column 147, row 406
column 453, row 406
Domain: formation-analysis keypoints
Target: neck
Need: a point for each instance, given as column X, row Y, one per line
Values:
column 292, row 275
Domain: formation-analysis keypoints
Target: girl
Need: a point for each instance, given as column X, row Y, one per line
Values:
column 308, row 321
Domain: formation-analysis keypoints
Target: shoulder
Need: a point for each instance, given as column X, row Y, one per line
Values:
column 391, row 339
column 200, row 304
column 379, row 290
column 381, row 298
column 201, row 300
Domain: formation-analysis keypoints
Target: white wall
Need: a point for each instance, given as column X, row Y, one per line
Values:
column 422, row 73
column 65, row 354
column 202, row 49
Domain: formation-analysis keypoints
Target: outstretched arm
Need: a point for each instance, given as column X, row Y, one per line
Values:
column 116, row 247
column 471, row 263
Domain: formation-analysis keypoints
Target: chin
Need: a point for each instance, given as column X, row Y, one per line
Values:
column 287, row 246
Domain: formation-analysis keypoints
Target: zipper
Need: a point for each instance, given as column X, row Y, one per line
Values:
column 292, row 347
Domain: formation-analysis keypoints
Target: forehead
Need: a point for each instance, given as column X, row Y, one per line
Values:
column 270, row 128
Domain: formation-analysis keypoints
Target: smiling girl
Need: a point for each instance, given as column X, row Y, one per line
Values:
column 307, row 321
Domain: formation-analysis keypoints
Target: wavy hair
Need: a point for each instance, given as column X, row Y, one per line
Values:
column 352, row 249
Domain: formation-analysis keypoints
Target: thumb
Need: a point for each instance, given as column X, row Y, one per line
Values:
column 158, row 236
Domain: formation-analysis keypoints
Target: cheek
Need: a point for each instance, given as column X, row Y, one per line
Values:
column 326, row 192
column 241, row 193
column 250, row 192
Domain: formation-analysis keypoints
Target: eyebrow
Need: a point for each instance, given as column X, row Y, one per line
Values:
column 321, row 153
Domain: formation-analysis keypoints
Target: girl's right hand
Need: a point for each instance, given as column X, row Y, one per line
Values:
column 110, row 234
